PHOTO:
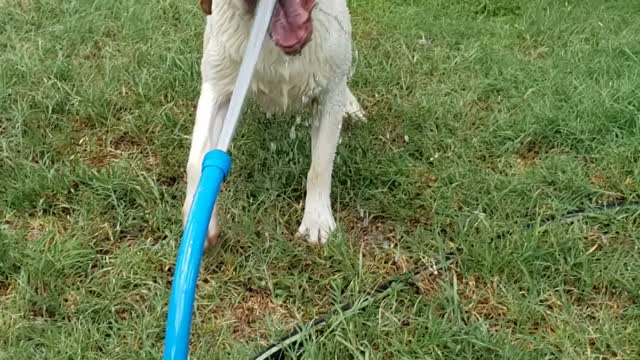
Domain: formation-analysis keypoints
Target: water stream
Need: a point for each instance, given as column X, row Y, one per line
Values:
column 264, row 11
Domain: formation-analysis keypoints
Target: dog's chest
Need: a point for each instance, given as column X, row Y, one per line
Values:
column 282, row 82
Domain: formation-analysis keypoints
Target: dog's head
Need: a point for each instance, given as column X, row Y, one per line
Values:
column 291, row 25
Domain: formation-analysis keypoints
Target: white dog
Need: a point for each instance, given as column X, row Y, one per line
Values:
column 307, row 61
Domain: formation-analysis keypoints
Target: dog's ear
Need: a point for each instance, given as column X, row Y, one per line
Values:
column 205, row 5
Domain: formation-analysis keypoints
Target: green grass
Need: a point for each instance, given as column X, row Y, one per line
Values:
column 484, row 116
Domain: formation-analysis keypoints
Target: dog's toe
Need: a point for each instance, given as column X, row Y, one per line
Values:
column 312, row 236
column 358, row 115
column 316, row 229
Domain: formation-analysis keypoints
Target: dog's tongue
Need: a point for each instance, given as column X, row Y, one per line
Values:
column 291, row 24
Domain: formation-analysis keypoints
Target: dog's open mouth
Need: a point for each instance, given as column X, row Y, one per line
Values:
column 291, row 25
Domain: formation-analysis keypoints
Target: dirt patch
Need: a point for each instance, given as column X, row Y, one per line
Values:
column 379, row 243
column 372, row 231
column 600, row 301
column 99, row 150
column 255, row 307
column 429, row 283
column 35, row 227
column 71, row 301
column 479, row 298
column 598, row 179
column 527, row 158
column 426, row 180
column 95, row 153
column 245, row 316
column 6, row 290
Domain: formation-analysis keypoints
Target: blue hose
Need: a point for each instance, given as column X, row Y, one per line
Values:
column 215, row 167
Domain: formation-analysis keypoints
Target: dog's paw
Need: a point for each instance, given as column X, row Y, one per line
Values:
column 317, row 225
column 353, row 109
column 213, row 238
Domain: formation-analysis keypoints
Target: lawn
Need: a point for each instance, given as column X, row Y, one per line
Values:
column 486, row 117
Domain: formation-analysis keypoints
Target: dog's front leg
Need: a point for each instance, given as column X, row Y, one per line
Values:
column 212, row 108
column 318, row 222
